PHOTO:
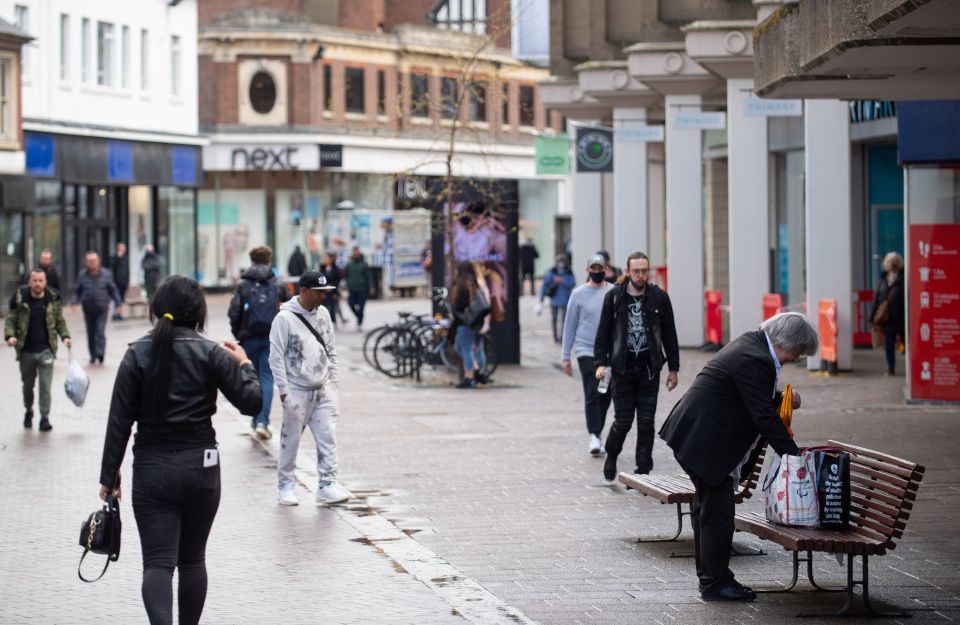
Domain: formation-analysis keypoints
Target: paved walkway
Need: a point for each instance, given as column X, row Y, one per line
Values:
column 484, row 497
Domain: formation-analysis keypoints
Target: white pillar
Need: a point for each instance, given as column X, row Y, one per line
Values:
column 685, row 222
column 826, row 129
column 629, row 187
column 586, row 215
column 749, row 210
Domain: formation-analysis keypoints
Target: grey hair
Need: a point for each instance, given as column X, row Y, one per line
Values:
column 893, row 262
column 793, row 332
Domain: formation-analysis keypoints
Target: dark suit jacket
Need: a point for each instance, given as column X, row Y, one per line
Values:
column 731, row 401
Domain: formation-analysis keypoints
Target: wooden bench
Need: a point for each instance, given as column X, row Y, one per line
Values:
column 678, row 489
column 882, row 492
column 134, row 300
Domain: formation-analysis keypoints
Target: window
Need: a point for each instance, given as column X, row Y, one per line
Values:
column 381, row 92
column 526, row 106
column 419, row 95
column 175, row 65
column 263, row 92
column 21, row 17
column 85, row 50
column 125, row 57
column 6, row 89
column 144, row 60
column 449, row 96
column 505, row 104
column 478, row 102
column 470, row 16
column 327, row 88
column 104, row 54
column 354, row 86
column 64, row 46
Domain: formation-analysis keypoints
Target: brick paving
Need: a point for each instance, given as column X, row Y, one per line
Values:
column 496, row 482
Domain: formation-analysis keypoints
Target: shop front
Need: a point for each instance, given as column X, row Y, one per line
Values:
column 91, row 193
column 16, row 199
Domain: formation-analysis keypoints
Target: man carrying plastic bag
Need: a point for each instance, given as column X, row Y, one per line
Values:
column 33, row 326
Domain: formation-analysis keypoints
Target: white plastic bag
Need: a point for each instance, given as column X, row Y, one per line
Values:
column 77, row 382
column 790, row 491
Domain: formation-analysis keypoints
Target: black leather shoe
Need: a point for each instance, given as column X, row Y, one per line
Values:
column 731, row 592
column 28, row 419
column 45, row 425
column 610, row 468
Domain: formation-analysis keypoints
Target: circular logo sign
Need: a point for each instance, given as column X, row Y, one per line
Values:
column 595, row 150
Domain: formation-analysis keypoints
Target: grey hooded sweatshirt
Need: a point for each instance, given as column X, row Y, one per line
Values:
column 296, row 357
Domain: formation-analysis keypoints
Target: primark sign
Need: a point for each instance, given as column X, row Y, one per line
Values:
column 760, row 107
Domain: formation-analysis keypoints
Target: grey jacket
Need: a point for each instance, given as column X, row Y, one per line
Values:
column 96, row 292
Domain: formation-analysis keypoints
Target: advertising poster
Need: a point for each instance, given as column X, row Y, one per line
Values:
column 934, row 341
column 411, row 239
column 483, row 217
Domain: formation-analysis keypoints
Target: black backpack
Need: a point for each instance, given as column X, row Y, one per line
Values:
column 260, row 305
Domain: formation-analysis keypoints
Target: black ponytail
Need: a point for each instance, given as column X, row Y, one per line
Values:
column 179, row 301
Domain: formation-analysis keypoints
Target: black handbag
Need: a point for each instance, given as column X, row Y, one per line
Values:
column 475, row 313
column 100, row 533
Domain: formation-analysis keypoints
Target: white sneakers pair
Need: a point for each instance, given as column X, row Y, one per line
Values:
column 596, row 448
column 330, row 493
column 262, row 432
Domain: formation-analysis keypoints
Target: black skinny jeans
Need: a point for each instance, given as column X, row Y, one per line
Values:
column 96, row 321
column 175, row 500
column 634, row 395
column 595, row 404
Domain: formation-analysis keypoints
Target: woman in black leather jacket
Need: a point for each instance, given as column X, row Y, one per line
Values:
column 167, row 384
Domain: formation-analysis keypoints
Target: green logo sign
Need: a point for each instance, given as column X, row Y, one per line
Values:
column 553, row 155
column 594, row 150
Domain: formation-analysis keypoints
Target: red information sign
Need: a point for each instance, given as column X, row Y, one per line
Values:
column 714, row 316
column 772, row 303
column 935, row 312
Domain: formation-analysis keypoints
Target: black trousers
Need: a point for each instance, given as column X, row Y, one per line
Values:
column 634, row 396
column 533, row 282
column 595, row 404
column 357, row 300
column 175, row 499
column 712, row 519
column 96, row 322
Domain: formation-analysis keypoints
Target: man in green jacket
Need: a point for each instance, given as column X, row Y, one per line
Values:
column 33, row 326
column 359, row 283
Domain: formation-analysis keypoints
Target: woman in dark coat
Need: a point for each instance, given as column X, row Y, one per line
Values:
column 890, row 319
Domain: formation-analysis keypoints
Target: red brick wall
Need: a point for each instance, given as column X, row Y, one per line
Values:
column 362, row 14
column 300, row 93
column 218, row 95
column 498, row 22
column 406, row 12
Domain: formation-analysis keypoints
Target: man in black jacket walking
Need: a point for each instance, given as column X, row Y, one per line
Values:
column 120, row 267
column 635, row 337
column 95, row 292
column 720, row 425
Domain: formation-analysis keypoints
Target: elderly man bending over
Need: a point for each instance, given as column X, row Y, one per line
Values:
column 717, row 427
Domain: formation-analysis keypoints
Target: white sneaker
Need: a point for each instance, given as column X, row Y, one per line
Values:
column 595, row 447
column 332, row 493
column 286, row 497
column 263, row 432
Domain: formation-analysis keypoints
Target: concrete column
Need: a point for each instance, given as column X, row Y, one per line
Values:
column 586, row 215
column 829, row 253
column 685, row 222
column 749, row 211
column 629, row 186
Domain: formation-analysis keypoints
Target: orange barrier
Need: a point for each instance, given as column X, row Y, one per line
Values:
column 772, row 304
column 828, row 334
column 714, row 316
column 862, row 336
column 660, row 276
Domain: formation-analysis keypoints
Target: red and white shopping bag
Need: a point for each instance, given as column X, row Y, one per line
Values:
column 790, row 490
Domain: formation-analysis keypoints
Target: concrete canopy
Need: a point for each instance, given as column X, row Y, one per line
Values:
column 723, row 47
column 610, row 83
column 666, row 68
column 894, row 49
column 565, row 96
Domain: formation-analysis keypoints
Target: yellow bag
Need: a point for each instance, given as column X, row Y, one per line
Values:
column 786, row 408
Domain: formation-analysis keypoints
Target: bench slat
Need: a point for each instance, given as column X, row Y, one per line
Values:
column 876, row 495
column 869, row 453
column 875, row 479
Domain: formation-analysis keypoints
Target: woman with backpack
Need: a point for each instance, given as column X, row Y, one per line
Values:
column 470, row 306
column 167, row 384
column 557, row 285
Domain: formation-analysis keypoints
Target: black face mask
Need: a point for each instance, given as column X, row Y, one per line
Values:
column 596, row 276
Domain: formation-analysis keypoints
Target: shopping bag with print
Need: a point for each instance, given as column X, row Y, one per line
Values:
column 790, row 491
column 832, row 466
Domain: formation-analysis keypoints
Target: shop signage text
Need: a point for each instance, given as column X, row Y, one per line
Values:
column 331, row 155
column 274, row 158
column 760, row 107
column 700, row 120
column 594, row 149
column 934, row 340
column 640, row 134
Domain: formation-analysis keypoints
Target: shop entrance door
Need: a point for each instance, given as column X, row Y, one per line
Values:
column 11, row 254
column 92, row 225
column 887, row 235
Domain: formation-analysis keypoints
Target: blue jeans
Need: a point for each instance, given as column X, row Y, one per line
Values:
column 469, row 344
column 258, row 351
column 357, row 300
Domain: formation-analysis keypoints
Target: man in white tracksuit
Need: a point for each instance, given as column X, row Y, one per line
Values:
column 303, row 359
